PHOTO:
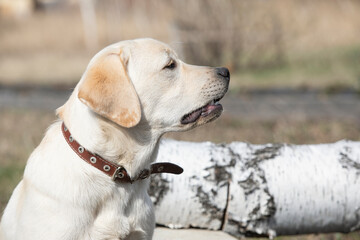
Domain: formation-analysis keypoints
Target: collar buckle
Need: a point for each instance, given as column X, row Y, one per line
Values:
column 144, row 174
column 119, row 173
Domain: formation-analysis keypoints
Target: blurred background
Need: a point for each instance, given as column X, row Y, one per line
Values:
column 295, row 66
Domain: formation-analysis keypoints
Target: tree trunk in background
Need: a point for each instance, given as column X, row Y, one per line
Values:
column 262, row 190
column 88, row 14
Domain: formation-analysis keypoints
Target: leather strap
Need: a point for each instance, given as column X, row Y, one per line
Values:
column 113, row 170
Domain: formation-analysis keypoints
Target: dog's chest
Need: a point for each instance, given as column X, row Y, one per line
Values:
column 123, row 212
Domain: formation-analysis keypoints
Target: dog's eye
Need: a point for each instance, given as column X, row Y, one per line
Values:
column 170, row 65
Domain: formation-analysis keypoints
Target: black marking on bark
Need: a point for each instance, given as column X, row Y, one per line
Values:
column 249, row 184
column 208, row 207
column 256, row 180
column 234, row 157
column 270, row 204
column 221, row 176
column 254, row 186
column 158, row 188
column 218, row 175
column 266, row 153
column 347, row 162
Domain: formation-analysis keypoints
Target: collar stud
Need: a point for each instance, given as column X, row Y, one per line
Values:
column 93, row 159
column 81, row 149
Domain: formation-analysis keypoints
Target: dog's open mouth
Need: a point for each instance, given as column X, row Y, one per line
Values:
column 212, row 109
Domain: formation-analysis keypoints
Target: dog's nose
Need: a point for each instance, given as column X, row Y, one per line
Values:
column 223, row 72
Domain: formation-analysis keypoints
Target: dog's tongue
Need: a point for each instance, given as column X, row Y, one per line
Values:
column 209, row 108
column 204, row 111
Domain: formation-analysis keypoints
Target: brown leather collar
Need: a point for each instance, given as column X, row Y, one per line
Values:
column 113, row 170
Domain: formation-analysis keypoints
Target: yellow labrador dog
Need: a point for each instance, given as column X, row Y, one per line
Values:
column 131, row 93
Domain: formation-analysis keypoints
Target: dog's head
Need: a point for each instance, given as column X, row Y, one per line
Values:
column 143, row 80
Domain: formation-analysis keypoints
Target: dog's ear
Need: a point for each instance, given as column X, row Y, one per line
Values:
column 108, row 90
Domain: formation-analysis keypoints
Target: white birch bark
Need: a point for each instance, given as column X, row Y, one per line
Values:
column 269, row 190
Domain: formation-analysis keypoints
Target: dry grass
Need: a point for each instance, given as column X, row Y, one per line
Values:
column 323, row 70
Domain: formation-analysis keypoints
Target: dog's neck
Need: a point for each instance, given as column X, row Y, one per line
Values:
column 133, row 148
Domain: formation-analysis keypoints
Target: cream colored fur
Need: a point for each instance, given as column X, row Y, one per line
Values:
column 62, row 197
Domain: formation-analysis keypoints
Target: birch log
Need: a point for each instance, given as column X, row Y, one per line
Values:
column 263, row 190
